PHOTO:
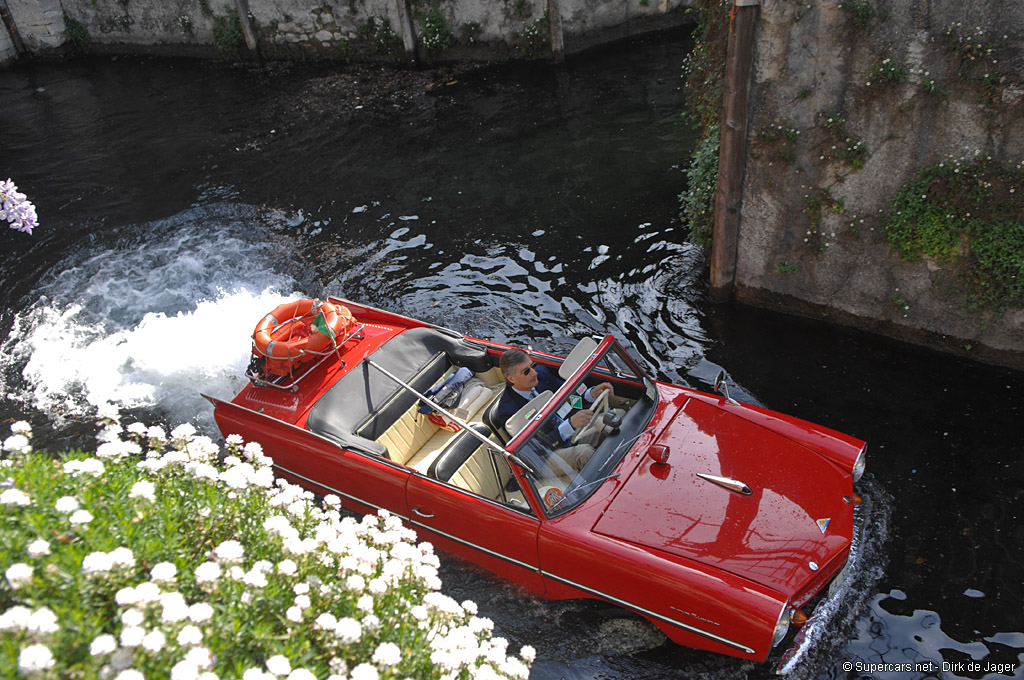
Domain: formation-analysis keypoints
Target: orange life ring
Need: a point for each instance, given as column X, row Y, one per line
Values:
column 289, row 333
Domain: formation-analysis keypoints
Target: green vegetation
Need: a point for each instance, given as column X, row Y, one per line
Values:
column 164, row 557
column 786, row 267
column 76, row 33
column 435, row 33
column 783, row 140
column 468, row 32
column 227, row 36
column 969, row 217
column 534, row 42
column 704, row 69
column 887, row 72
column 697, row 203
column 815, row 203
column 844, row 148
column 862, row 13
column 377, row 32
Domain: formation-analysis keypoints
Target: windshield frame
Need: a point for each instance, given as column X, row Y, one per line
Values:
column 610, row 362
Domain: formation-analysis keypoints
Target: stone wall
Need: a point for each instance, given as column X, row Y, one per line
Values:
column 811, row 232
column 335, row 29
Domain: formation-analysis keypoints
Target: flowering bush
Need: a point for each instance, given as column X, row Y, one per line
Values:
column 153, row 559
column 15, row 209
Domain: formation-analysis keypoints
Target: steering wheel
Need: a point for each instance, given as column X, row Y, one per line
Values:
column 596, row 424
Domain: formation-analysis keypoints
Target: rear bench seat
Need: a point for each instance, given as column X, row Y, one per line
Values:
column 364, row 403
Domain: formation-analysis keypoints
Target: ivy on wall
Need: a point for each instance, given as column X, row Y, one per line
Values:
column 704, row 70
column 968, row 216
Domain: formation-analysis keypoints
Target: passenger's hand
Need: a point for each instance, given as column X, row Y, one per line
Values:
column 581, row 418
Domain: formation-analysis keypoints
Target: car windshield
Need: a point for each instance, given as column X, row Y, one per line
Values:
column 570, row 463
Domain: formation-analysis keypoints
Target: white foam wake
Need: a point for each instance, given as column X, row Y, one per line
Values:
column 149, row 324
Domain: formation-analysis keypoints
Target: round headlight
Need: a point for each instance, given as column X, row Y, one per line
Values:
column 782, row 625
column 860, row 464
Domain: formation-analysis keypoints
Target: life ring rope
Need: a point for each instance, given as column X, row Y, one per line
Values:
column 295, row 332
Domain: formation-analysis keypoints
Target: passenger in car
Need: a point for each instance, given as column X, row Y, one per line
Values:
column 525, row 380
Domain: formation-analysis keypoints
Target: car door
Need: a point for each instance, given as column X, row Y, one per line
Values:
column 474, row 509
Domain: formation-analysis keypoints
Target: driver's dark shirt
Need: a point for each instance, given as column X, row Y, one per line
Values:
column 511, row 401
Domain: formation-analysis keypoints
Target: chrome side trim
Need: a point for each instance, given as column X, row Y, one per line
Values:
column 487, row 551
column 650, row 614
column 410, row 520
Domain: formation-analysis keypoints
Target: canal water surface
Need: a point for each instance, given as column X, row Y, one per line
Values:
column 181, row 201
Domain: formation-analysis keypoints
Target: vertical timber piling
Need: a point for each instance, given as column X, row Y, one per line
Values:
column 12, row 29
column 408, row 31
column 557, row 41
column 245, row 19
column 733, row 147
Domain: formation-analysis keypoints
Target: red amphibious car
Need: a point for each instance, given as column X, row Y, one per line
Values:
column 714, row 519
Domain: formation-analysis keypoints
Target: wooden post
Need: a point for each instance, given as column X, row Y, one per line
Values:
column 557, row 43
column 739, row 64
column 242, row 7
column 407, row 31
column 12, row 29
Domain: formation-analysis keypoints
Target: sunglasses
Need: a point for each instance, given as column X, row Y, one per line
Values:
column 531, row 367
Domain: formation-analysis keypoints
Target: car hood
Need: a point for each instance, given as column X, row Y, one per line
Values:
column 794, row 521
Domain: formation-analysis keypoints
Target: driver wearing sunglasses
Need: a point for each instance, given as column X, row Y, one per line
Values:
column 526, row 379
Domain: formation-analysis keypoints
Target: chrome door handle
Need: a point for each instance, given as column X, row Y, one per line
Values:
column 421, row 513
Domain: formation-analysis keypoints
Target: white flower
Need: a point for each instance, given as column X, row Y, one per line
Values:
column 301, row 674
column 122, row 557
column 38, row 548
column 17, row 443
column 207, row 572
column 163, row 572
column 279, row 665
column 133, row 617
column 18, row 575
column 66, row 504
column 287, row 567
column 15, row 618
column 348, row 630
column 200, row 612
column 35, row 658
column 174, row 607
column 15, row 497
column 255, row 578
column 294, row 614
column 89, row 466
column 327, row 621
column 154, row 641
column 130, row 674
column 190, row 635
column 117, row 449
column 183, row 431
column 80, row 517
column 528, row 653
column 229, row 551
column 21, row 427
column 257, row 674
column 104, row 644
column 43, row 621
column 387, row 654
column 143, row 489
column 302, row 601
column 147, row 592
column 364, row 671
column 131, row 636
